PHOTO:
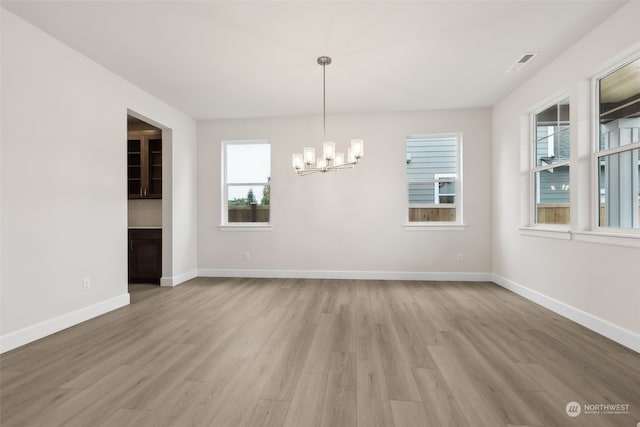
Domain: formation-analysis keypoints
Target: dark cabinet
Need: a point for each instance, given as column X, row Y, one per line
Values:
column 144, row 164
column 145, row 255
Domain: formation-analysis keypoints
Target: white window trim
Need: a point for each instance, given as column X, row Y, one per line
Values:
column 246, row 226
column 433, row 226
column 598, row 237
column 549, row 231
column 239, row 226
column 458, row 224
column 534, row 228
column 603, row 234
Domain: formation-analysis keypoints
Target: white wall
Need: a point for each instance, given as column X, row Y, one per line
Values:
column 351, row 221
column 596, row 284
column 64, row 204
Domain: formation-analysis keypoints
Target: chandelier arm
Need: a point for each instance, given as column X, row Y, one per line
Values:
column 350, row 165
column 308, row 171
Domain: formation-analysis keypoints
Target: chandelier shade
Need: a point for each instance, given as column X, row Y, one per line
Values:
column 306, row 163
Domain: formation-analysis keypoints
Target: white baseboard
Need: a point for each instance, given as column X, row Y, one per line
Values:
column 39, row 330
column 610, row 330
column 179, row 279
column 343, row 274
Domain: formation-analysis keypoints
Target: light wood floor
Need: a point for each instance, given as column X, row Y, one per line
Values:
column 297, row 353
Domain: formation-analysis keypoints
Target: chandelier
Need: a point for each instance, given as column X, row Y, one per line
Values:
column 306, row 163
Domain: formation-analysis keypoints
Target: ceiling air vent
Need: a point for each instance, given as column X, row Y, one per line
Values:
column 524, row 60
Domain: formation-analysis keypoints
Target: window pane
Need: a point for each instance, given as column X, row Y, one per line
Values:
column 438, row 214
column 620, row 106
column 619, row 184
column 446, row 199
column 552, row 196
column 433, row 161
column 248, row 163
column 446, row 188
column 428, row 157
column 248, row 203
column 429, row 193
column 619, row 132
column 421, row 193
column 552, row 134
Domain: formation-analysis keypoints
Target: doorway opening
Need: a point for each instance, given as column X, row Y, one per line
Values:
column 144, row 201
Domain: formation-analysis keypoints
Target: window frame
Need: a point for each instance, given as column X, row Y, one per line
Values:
column 534, row 169
column 457, row 224
column 597, row 154
column 224, row 196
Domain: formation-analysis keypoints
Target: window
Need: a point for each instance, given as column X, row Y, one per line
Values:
column 550, row 171
column 445, row 190
column 434, row 178
column 617, row 156
column 246, row 193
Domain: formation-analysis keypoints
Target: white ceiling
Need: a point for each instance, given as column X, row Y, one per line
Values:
column 255, row 59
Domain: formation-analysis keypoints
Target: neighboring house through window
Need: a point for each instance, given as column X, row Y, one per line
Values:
column 434, row 178
column 246, row 192
column 617, row 155
column 550, row 170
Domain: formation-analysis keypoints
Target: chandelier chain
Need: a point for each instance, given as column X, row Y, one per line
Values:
column 324, row 102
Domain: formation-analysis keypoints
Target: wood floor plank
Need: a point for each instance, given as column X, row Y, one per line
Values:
column 408, row 414
column 255, row 341
column 28, row 405
column 344, row 340
column 310, row 352
column 306, row 405
column 95, row 401
column 126, row 418
column 319, row 354
column 285, row 377
column 373, row 407
column 412, row 339
column 269, row 413
column 468, row 393
column 166, row 378
column 204, row 407
column 506, row 401
column 398, row 377
column 442, row 409
column 184, row 402
column 551, row 418
column 339, row 408
column 243, row 398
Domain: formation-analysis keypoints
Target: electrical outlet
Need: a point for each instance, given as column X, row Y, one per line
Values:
column 459, row 258
column 247, row 256
column 86, row 283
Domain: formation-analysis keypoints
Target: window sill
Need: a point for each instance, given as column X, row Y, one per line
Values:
column 244, row 226
column 600, row 237
column 433, row 226
column 548, row 232
column 608, row 238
